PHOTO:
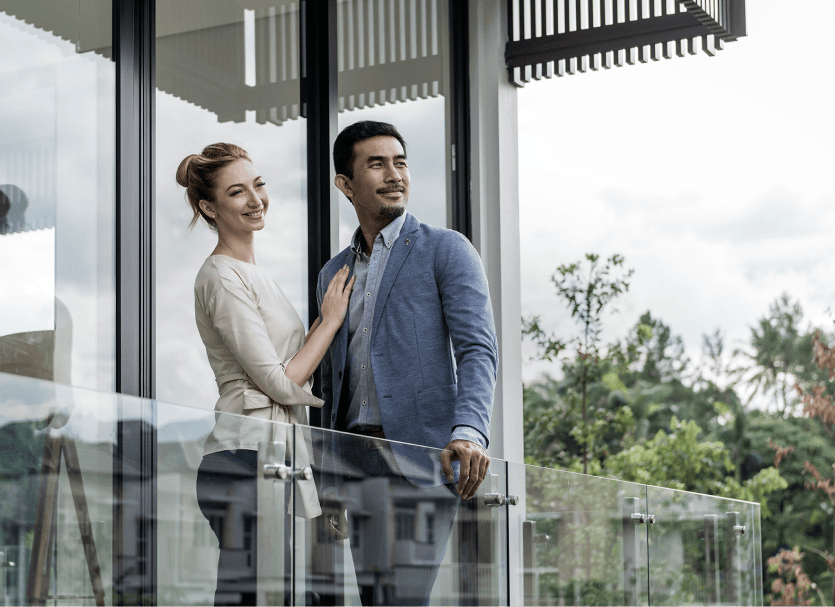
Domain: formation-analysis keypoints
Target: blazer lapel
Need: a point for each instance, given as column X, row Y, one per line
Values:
column 399, row 252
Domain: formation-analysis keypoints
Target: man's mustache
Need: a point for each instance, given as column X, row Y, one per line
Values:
column 398, row 188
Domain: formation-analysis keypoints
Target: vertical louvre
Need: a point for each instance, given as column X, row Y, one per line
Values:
column 403, row 52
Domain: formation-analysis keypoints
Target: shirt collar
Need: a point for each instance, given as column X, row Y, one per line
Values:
column 388, row 234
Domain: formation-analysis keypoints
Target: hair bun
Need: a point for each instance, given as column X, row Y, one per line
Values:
column 182, row 170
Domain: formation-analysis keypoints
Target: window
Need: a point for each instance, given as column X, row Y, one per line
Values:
column 144, row 531
column 356, row 531
column 394, row 59
column 57, row 138
column 250, row 522
column 224, row 73
column 404, row 523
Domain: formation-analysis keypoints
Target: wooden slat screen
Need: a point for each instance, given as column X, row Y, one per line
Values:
column 564, row 37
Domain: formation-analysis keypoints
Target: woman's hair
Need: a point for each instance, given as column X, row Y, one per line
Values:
column 197, row 173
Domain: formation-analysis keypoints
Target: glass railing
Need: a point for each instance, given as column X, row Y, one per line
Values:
column 109, row 499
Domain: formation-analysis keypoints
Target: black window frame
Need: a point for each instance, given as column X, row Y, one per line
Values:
column 134, row 44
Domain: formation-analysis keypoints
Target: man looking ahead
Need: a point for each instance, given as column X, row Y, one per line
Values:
column 416, row 359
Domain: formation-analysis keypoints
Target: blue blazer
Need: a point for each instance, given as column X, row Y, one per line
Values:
column 433, row 346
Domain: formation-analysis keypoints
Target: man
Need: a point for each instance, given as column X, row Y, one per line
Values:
column 390, row 371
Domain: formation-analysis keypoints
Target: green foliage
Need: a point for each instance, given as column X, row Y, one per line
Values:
column 781, row 354
column 549, row 346
column 639, row 409
column 554, row 432
column 587, row 287
column 679, row 461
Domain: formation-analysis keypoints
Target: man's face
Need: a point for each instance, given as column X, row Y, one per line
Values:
column 380, row 186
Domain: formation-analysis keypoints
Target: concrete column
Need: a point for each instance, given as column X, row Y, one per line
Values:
column 495, row 212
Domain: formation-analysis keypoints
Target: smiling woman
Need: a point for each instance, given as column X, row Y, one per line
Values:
column 255, row 342
column 207, row 57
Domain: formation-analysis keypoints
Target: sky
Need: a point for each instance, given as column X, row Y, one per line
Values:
column 712, row 176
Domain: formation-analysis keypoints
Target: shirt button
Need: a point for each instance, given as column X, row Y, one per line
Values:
column 365, row 330
column 388, row 243
column 363, row 403
column 363, row 367
column 368, row 294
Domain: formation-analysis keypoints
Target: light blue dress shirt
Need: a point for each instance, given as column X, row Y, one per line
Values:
column 364, row 409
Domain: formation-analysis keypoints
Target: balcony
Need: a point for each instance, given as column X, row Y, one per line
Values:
column 83, row 523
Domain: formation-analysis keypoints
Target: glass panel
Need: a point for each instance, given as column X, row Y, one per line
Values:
column 372, row 521
column 56, row 449
column 392, row 532
column 583, row 539
column 756, row 561
column 57, row 140
column 703, row 550
column 221, row 524
column 224, row 73
column 219, row 521
column 393, row 61
column 277, row 487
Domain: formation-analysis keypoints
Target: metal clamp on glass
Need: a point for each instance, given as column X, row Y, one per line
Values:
column 513, row 500
column 286, row 473
column 651, row 519
column 638, row 518
column 494, row 500
column 739, row 529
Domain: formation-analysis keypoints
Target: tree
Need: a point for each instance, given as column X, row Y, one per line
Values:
column 797, row 518
column 817, row 403
column 792, row 585
column 678, row 460
column 588, row 288
column 780, row 356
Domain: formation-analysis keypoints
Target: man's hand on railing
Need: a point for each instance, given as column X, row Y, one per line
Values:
column 474, row 464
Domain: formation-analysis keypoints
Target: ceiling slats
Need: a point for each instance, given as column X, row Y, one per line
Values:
column 563, row 37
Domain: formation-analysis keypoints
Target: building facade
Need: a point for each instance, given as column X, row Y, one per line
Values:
column 101, row 99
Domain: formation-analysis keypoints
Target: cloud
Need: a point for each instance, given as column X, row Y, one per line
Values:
column 710, row 175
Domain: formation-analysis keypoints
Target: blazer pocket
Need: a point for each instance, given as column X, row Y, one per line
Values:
column 423, row 287
column 255, row 399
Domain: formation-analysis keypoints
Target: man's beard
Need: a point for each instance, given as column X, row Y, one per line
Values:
column 392, row 212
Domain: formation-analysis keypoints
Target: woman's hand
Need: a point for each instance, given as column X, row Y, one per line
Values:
column 337, row 297
column 334, row 308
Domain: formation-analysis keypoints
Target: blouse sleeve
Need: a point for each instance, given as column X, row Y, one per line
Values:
column 235, row 316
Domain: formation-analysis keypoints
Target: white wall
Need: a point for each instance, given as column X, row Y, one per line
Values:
column 495, row 198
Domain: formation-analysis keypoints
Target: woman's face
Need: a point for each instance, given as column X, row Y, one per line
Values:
column 241, row 199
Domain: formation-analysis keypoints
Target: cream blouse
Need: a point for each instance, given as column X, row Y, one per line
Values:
column 251, row 330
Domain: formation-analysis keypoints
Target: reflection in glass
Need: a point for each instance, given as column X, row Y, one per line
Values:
column 224, row 73
column 56, row 191
column 56, row 492
column 384, row 520
column 393, row 61
column 393, row 533
column 702, row 550
column 581, row 541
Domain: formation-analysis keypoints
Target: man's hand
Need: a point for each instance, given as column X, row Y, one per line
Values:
column 474, row 464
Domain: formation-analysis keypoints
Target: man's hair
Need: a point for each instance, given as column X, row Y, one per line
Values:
column 343, row 147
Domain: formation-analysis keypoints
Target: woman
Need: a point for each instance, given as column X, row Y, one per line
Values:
column 259, row 353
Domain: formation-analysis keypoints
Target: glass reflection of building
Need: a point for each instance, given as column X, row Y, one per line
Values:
column 100, row 100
